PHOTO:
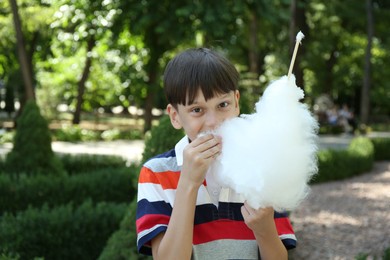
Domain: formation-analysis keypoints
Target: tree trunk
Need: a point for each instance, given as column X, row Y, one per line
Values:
column 329, row 64
column 253, row 44
column 365, row 97
column 152, row 69
column 293, row 26
column 298, row 23
column 84, row 77
column 23, row 58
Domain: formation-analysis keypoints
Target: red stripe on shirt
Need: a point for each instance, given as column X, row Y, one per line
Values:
column 283, row 226
column 149, row 221
column 221, row 229
column 167, row 179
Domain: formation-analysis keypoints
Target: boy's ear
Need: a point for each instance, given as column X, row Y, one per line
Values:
column 237, row 99
column 237, row 94
column 174, row 116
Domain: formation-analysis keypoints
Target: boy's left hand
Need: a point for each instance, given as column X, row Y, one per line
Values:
column 260, row 221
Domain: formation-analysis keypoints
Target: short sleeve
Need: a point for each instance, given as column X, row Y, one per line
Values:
column 285, row 230
column 153, row 209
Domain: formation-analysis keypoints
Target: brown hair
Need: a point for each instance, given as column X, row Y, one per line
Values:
column 196, row 69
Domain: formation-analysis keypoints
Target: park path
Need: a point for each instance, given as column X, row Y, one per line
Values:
column 342, row 219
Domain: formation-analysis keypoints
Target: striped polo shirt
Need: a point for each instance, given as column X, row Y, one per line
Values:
column 219, row 228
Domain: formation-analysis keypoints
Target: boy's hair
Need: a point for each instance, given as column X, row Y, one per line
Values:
column 196, row 69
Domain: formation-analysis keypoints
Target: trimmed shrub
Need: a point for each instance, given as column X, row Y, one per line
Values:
column 381, row 148
column 330, row 129
column 122, row 244
column 75, row 133
column 114, row 185
column 161, row 138
column 362, row 150
column 65, row 232
column 341, row 164
column 32, row 152
column 83, row 163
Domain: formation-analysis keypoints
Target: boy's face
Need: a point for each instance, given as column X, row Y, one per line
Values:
column 204, row 115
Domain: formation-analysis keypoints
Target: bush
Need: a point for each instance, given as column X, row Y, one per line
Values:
column 117, row 134
column 65, row 232
column 162, row 138
column 113, row 185
column 341, row 164
column 32, row 151
column 122, row 244
column 330, row 129
column 381, row 148
column 82, row 163
column 75, row 133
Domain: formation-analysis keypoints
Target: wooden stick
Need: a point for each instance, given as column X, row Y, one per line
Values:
column 298, row 39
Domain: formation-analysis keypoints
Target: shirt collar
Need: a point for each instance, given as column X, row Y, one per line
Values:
column 179, row 148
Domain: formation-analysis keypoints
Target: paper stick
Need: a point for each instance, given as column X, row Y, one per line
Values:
column 298, row 39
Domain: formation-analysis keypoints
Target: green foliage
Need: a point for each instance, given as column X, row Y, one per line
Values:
column 386, row 254
column 113, row 185
column 116, row 134
column 130, row 34
column 75, row 133
column 162, row 138
column 331, row 129
column 81, row 163
column 381, row 148
column 122, row 245
column 341, row 164
column 7, row 136
column 64, row 232
column 31, row 152
column 250, row 91
column 365, row 256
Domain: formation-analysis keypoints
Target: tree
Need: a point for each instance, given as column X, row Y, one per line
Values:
column 81, row 24
column 365, row 96
column 25, row 65
column 163, row 26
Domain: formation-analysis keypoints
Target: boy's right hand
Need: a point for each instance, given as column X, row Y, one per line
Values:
column 197, row 157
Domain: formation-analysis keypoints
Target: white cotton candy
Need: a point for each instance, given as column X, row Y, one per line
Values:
column 299, row 36
column 270, row 156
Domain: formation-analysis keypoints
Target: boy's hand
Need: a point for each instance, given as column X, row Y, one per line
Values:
column 197, row 157
column 260, row 221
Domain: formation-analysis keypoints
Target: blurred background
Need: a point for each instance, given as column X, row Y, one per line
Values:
column 97, row 65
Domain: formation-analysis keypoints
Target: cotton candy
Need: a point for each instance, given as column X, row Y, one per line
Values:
column 270, row 156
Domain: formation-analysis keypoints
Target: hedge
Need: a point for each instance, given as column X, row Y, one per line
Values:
column 82, row 163
column 122, row 244
column 114, row 185
column 381, row 148
column 340, row 164
column 64, row 232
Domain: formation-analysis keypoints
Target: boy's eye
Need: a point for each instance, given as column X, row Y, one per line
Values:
column 197, row 110
column 224, row 104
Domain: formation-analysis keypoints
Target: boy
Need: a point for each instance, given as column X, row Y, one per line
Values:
column 182, row 211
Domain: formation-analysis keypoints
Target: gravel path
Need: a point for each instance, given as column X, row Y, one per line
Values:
column 340, row 220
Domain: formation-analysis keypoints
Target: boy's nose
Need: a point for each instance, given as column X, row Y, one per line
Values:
column 212, row 120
